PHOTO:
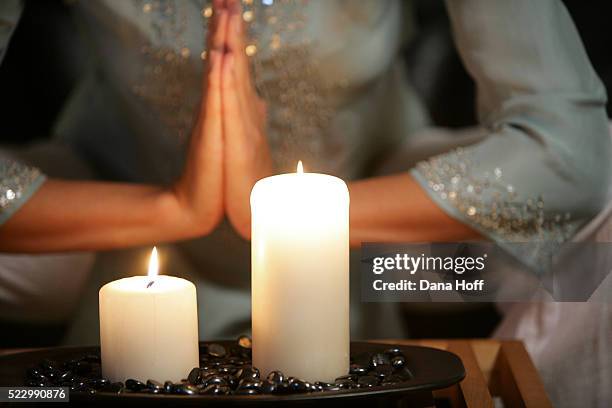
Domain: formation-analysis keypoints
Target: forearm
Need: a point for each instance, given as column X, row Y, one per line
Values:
column 396, row 209
column 69, row 216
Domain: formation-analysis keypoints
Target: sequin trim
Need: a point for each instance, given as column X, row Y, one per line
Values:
column 495, row 207
column 16, row 182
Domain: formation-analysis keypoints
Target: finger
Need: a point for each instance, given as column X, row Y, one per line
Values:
column 212, row 109
column 233, row 125
column 228, row 89
column 247, row 96
column 233, row 6
column 236, row 44
column 236, row 41
column 218, row 39
column 217, row 6
column 217, row 29
column 251, row 108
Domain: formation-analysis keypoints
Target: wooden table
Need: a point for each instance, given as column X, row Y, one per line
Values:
column 494, row 369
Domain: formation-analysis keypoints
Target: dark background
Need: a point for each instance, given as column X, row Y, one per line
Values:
column 46, row 56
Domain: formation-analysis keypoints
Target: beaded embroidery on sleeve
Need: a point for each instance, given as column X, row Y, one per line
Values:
column 494, row 207
column 16, row 182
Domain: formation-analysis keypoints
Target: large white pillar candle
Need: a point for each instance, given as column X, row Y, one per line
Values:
column 300, row 275
column 148, row 327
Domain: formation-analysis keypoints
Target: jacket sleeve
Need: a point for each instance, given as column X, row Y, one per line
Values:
column 17, row 181
column 543, row 170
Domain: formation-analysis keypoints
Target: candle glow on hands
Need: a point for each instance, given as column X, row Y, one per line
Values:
column 153, row 266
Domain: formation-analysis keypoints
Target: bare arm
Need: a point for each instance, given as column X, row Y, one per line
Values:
column 396, row 209
column 68, row 215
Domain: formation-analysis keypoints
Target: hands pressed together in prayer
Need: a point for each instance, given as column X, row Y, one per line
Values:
column 228, row 151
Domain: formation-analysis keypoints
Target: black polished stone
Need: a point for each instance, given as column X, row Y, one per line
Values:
column 247, row 391
column 245, row 342
column 345, row 383
column 168, row 387
column 358, row 369
column 195, row 375
column 53, row 375
column 393, row 351
column 216, row 389
column 216, row 350
column 247, row 371
column 398, row 361
column 382, row 371
column 297, row 385
column 209, row 366
column 392, row 379
column 49, row 365
column 269, row 387
column 186, row 389
column 283, row 388
column 324, row 385
column 224, row 370
column 43, row 382
column 316, row 387
column 251, row 383
column 34, row 372
column 134, row 385
column 78, row 385
column 215, row 380
column 65, row 376
column 238, row 361
column 231, row 381
column 155, row 386
column 367, row 381
column 379, row 359
column 97, row 383
column 276, row 377
column 115, row 387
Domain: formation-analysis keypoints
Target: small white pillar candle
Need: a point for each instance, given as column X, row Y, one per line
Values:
column 148, row 327
column 300, row 275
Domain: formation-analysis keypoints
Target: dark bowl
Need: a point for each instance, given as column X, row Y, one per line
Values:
column 432, row 369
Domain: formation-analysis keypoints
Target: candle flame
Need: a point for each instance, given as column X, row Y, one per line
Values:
column 300, row 167
column 153, row 264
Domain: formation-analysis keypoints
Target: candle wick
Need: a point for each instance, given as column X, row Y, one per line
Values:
column 150, row 284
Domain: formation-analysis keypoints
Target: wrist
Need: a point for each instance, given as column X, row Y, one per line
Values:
column 188, row 218
column 240, row 219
